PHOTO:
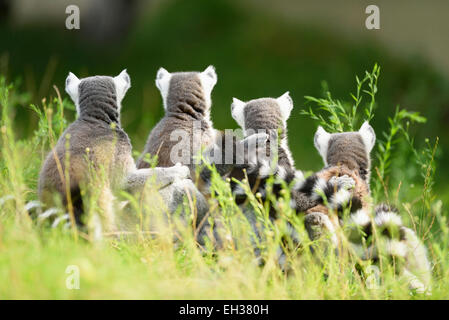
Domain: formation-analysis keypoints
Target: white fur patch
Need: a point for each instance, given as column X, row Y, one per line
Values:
column 265, row 169
column 341, row 197
column 330, row 227
column 48, row 213
column 318, row 189
column 122, row 84
column 62, row 218
column 299, row 180
column 321, row 142
column 97, row 228
column 237, row 108
column 208, row 81
column 396, row 248
column 282, row 173
column 286, row 105
column 163, row 78
column 32, row 204
column 415, row 284
column 368, row 136
column 360, row 218
column 71, row 87
column 387, row 218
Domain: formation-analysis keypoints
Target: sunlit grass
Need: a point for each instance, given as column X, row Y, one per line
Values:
column 169, row 264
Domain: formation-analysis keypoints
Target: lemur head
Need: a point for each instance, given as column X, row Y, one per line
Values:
column 263, row 113
column 97, row 87
column 351, row 149
column 190, row 87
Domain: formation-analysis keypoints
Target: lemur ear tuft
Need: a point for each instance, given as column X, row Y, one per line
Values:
column 209, row 78
column 162, row 73
column 71, row 86
column 162, row 83
column 368, row 136
column 286, row 105
column 122, row 84
column 237, row 107
column 162, row 79
column 211, row 73
column 124, row 76
column 321, row 142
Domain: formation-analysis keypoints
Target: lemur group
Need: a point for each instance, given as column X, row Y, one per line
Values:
column 335, row 202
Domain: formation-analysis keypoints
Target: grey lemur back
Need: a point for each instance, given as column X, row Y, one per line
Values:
column 96, row 135
column 187, row 102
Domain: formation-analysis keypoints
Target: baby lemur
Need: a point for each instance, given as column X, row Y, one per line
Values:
column 93, row 155
column 347, row 154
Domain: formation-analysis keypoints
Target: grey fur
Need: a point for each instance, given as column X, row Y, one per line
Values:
column 186, row 103
column 348, row 149
column 265, row 114
column 96, row 142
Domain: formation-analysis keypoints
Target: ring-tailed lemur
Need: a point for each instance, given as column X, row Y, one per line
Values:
column 97, row 151
column 348, row 155
column 267, row 116
column 264, row 124
column 187, row 101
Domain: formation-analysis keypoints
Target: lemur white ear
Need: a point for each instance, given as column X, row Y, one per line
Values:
column 286, row 104
column 211, row 74
column 122, row 84
column 163, row 83
column 208, row 79
column 368, row 136
column 237, row 108
column 71, row 86
column 321, row 142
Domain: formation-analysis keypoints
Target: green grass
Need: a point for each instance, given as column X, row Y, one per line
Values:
column 34, row 257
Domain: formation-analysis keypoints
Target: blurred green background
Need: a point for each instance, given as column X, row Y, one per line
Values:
column 259, row 48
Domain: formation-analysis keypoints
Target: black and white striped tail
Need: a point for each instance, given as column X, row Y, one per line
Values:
column 393, row 241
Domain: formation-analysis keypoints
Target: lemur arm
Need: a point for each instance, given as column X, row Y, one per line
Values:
column 161, row 177
column 243, row 152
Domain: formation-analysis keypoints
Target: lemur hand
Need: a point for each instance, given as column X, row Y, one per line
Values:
column 162, row 177
column 178, row 171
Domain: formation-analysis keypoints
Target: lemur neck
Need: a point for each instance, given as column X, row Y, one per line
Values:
column 189, row 106
column 279, row 135
column 99, row 108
